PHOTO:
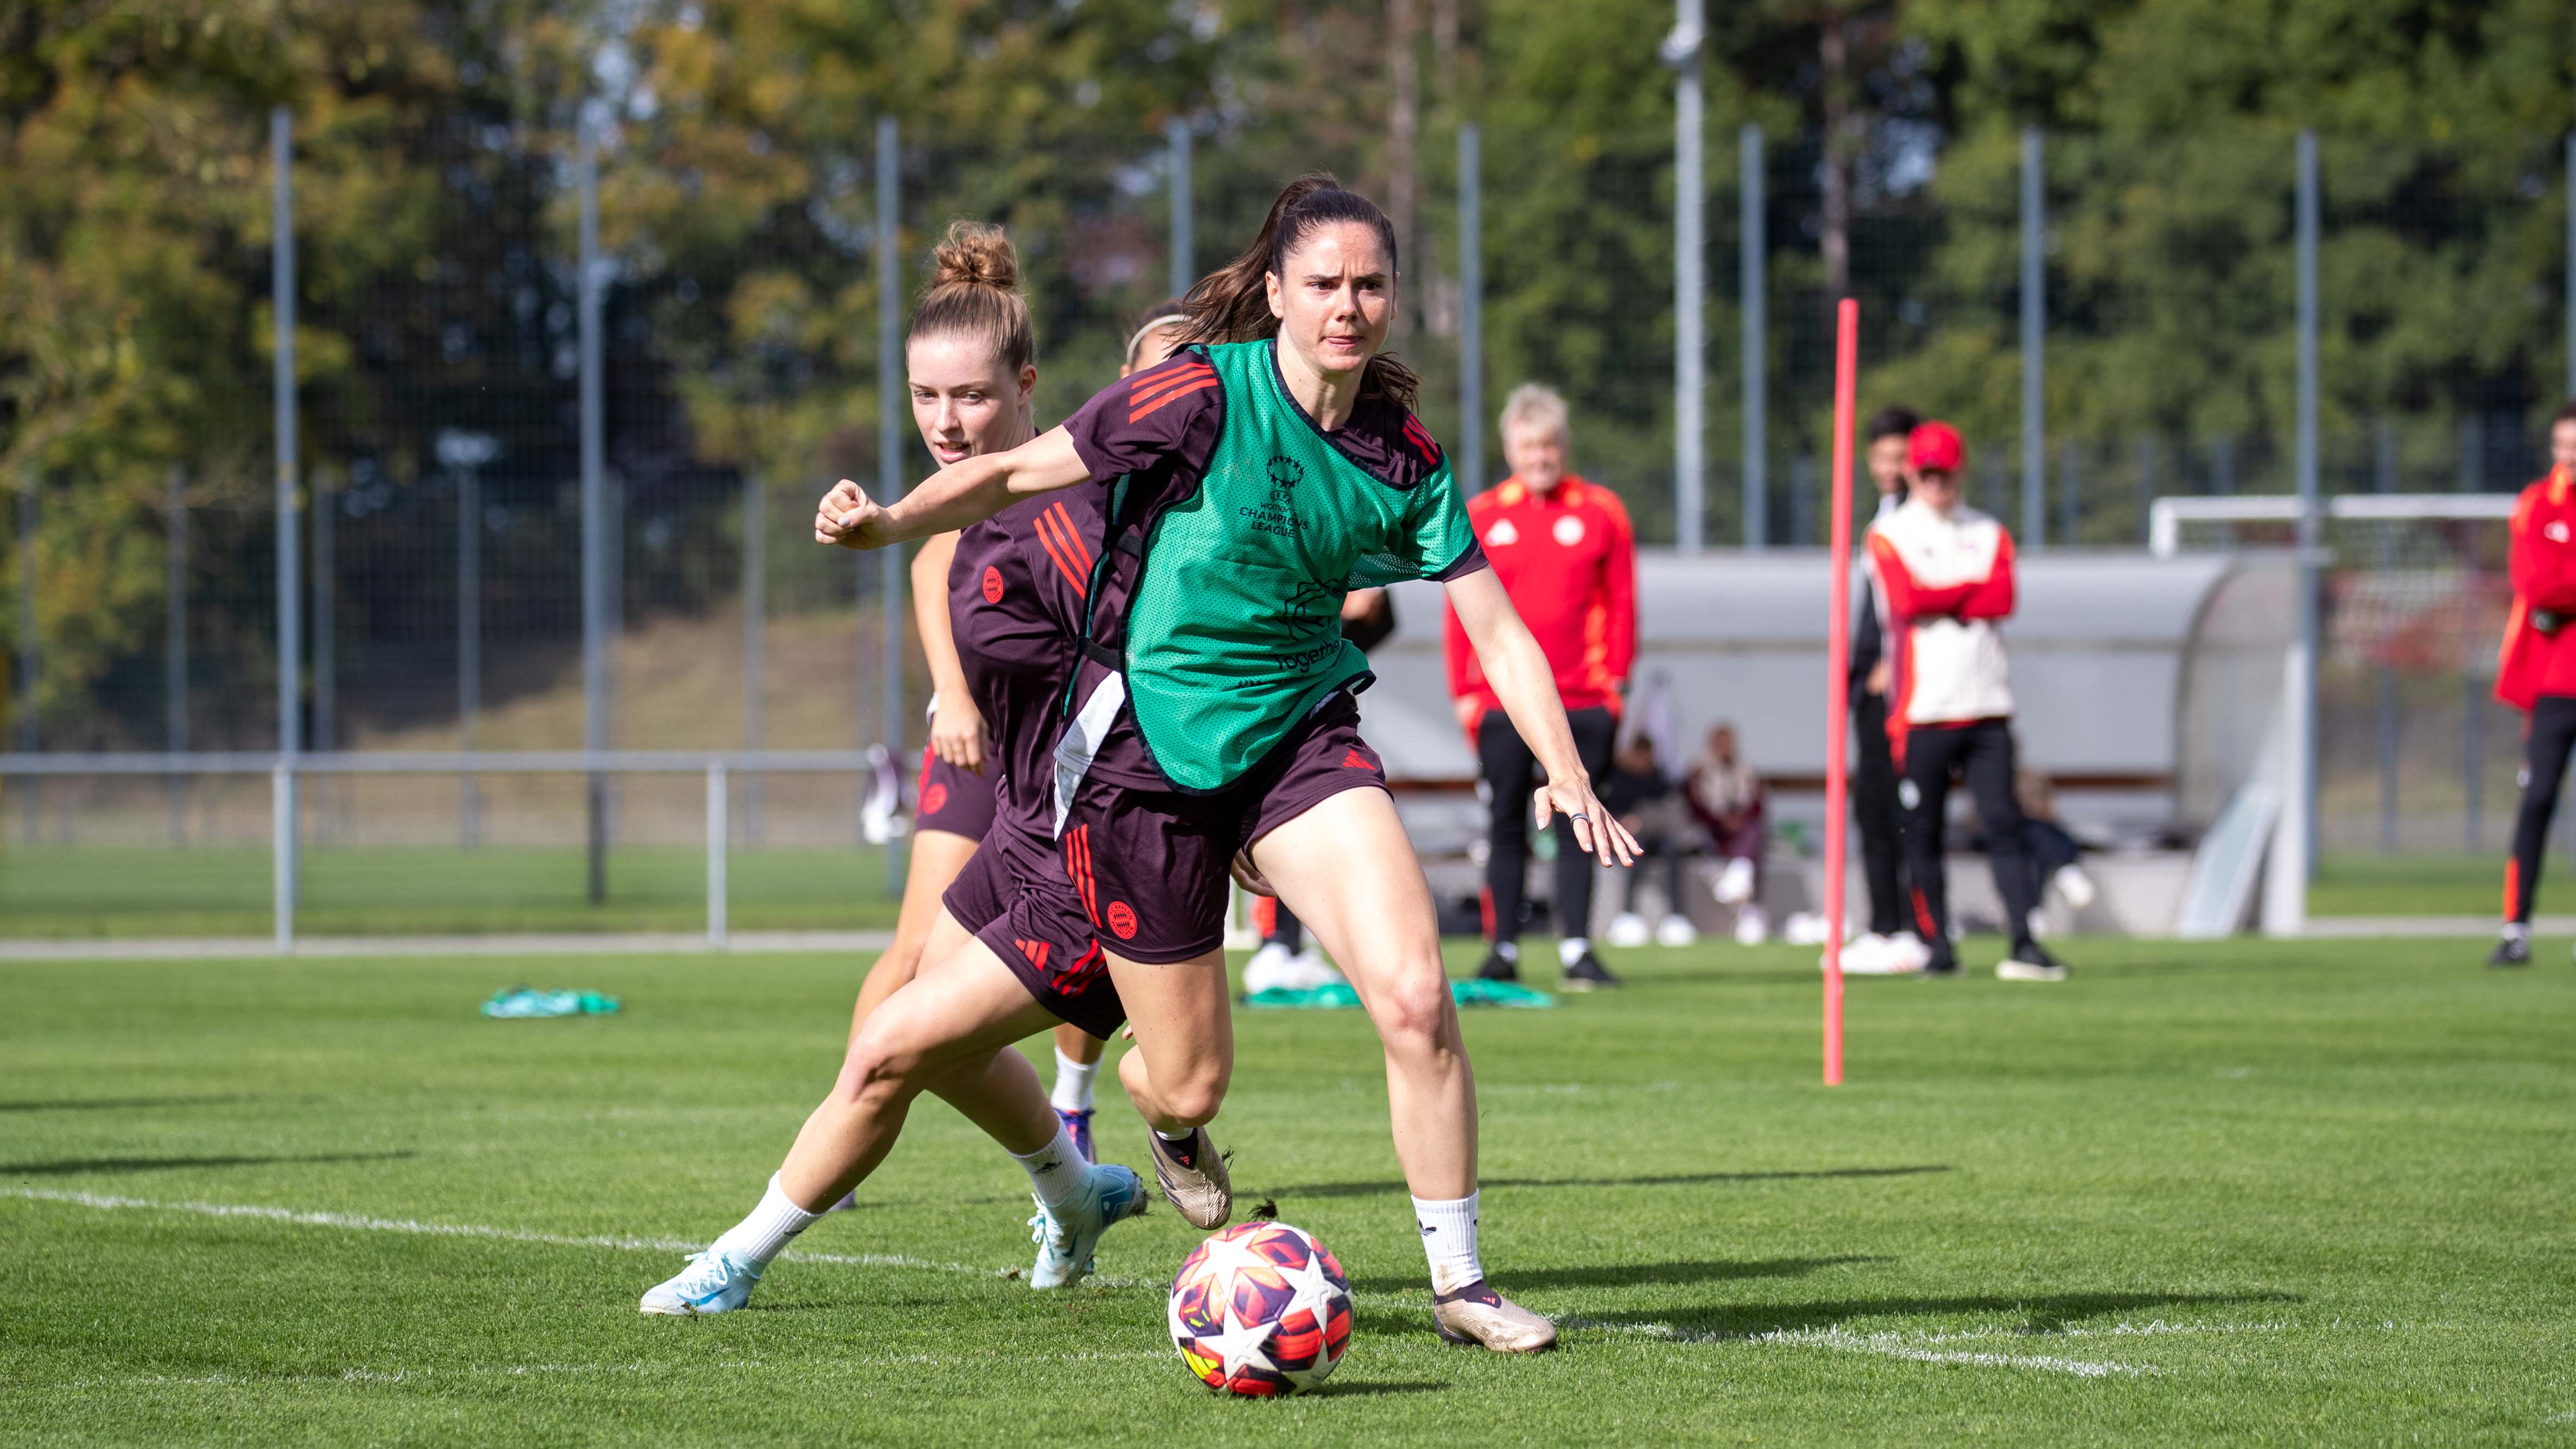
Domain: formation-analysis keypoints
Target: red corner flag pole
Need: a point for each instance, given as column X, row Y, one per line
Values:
column 1837, row 687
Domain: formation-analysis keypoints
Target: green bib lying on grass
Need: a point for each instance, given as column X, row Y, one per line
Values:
column 1235, row 630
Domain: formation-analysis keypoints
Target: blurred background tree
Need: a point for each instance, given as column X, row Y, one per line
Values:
column 435, row 223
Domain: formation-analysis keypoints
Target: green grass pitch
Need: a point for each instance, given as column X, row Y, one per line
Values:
column 2308, row 1192
column 70, row 892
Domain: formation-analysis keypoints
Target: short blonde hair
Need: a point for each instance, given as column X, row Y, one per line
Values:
column 1535, row 404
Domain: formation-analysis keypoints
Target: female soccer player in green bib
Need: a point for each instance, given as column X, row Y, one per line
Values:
column 1265, row 470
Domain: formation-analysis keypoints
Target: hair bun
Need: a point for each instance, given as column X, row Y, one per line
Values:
column 976, row 254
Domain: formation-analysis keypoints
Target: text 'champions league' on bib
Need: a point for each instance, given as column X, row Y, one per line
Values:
column 1235, row 629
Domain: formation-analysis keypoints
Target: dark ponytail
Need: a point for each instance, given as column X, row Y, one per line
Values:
column 1232, row 303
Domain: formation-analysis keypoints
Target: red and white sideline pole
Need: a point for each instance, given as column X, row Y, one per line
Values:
column 1837, row 687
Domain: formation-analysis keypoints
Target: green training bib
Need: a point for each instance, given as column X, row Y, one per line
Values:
column 1235, row 630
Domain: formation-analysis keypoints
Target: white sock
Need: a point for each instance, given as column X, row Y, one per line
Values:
column 1056, row 1171
column 2517, row 931
column 770, row 1228
column 1449, row 1241
column 1508, row 950
column 1571, row 949
column 1072, row 1083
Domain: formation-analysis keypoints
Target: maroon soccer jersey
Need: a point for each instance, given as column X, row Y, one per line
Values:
column 1148, row 441
column 1015, row 604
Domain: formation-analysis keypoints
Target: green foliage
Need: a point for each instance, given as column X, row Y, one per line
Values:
column 434, row 228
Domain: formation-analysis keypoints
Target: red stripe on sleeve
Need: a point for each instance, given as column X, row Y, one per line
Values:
column 1072, row 536
column 1147, row 389
column 1202, row 385
column 1046, row 538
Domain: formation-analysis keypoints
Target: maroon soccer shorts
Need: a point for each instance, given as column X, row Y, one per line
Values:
column 954, row 800
column 1038, row 930
column 1148, row 868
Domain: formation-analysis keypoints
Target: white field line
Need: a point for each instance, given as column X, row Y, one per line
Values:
column 1838, row 1339
column 406, row 1375
column 1887, row 1345
column 358, row 1222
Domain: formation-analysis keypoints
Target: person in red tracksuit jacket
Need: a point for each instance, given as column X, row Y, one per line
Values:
column 1568, row 558
column 2537, row 671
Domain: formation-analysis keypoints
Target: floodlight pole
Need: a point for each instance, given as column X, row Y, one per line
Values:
column 174, row 657
column 2034, row 335
column 2293, row 855
column 1471, row 309
column 469, row 646
column 1749, row 288
column 1690, row 274
column 891, row 420
column 595, row 538
column 1837, row 677
column 290, row 650
column 1184, row 271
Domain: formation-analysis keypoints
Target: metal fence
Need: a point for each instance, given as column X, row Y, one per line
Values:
column 543, row 486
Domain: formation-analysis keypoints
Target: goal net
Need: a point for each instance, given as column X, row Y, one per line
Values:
column 2414, row 753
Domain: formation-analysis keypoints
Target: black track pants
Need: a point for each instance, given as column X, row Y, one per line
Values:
column 1982, row 755
column 1874, row 811
column 2546, row 739
column 1285, row 928
column 1511, row 773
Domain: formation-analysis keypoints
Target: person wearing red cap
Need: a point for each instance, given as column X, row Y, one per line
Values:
column 1565, row 554
column 2536, row 672
column 1945, row 576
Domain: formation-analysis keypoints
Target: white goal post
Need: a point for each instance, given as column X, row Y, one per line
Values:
column 2166, row 516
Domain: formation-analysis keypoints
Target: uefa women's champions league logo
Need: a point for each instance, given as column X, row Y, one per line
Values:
column 1286, row 472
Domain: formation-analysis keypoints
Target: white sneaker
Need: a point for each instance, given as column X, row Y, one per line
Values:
column 712, row 1283
column 1752, row 928
column 1308, row 970
column 1906, row 953
column 1867, row 955
column 1735, row 883
column 1112, row 1194
column 1804, row 928
column 1673, row 930
column 1271, row 968
column 1628, row 930
column 2074, row 886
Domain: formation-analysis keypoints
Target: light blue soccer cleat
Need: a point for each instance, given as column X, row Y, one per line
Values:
column 1113, row 1194
column 712, row 1283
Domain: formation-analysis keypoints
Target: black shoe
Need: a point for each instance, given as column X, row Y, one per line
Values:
column 2511, row 949
column 1944, row 965
column 1498, row 967
column 1587, row 974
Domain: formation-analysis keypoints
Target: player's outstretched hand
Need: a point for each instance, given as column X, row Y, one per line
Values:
column 957, row 731
column 1596, row 831
column 851, row 519
column 1249, row 876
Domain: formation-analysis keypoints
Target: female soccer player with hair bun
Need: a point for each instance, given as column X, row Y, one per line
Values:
column 998, row 604
column 1253, row 480
column 971, row 361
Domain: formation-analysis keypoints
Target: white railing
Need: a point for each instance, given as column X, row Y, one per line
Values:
column 2166, row 516
column 284, row 771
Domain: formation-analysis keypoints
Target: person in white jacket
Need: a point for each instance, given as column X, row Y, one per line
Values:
column 1945, row 574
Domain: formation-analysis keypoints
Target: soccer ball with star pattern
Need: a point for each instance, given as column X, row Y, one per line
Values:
column 1261, row 1309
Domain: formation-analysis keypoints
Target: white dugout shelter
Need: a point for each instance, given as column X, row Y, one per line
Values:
column 2146, row 688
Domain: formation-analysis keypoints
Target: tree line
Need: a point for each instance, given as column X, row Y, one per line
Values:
column 434, row 223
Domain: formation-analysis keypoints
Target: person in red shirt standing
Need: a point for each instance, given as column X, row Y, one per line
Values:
column 1565, row 553
column 2537, row 671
